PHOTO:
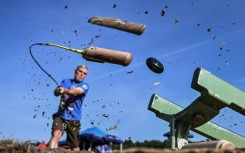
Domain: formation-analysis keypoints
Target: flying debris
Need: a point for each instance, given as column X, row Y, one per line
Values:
column 156, row 83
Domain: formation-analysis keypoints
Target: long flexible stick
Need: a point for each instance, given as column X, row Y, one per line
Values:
column 66, row 48
column 39, row 64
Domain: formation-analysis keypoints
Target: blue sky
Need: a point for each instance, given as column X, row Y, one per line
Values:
column 208, row 34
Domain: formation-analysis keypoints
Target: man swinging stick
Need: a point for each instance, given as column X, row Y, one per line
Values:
column 67, row 118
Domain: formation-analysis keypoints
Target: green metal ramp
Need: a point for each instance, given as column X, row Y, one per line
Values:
column 215, row 95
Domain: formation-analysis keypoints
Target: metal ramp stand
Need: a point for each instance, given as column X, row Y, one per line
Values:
column 215, row 95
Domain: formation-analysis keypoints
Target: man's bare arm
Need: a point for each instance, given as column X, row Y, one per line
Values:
column 72, row 92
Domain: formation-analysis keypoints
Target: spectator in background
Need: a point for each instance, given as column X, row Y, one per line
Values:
column 42, row 145
column 105, row 148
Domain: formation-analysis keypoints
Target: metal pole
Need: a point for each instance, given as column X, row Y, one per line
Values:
column 121, row 147
column 172, row 132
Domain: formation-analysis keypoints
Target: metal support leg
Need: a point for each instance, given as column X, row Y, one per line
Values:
column 172, row 133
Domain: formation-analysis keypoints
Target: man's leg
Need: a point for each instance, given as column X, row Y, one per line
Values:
column 56, row 135
column 57, row 132
column 72, row 130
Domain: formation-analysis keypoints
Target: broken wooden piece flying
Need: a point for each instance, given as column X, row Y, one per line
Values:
column 131, row 27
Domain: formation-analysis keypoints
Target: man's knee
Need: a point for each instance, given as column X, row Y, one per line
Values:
column 57, row 134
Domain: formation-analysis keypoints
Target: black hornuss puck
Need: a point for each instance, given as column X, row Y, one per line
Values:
column 155, row 65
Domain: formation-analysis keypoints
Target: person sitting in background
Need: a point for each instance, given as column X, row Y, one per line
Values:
column 42, row 145
column 105, row 148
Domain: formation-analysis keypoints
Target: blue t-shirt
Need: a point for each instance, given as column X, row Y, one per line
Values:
column 70, row 107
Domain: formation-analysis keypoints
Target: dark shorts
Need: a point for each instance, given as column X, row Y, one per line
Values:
column 71, row 128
